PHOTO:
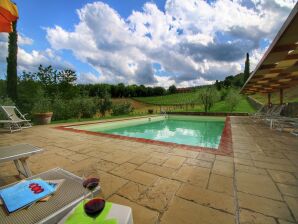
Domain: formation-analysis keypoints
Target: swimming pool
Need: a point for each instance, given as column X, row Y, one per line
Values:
column 186, row 130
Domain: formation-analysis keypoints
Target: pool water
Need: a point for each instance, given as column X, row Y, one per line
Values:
column 202, row 133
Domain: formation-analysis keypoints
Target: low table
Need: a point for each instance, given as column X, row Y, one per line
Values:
column 68, row 195
column 19, row 154
column 122, row 213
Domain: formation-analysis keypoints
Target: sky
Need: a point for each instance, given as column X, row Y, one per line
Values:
column 154, row 42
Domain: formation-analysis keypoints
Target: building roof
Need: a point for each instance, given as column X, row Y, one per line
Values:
column 278, row 69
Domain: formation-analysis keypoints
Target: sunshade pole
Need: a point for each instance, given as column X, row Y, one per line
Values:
column 281, row 96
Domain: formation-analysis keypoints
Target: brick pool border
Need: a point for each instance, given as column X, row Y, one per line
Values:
column 225, row 145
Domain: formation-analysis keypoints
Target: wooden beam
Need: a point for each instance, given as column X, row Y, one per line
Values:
column 267, row 66
column 285, row 47
column 291, row 56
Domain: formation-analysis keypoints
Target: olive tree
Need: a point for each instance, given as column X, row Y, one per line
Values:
column 232, row 99
column 208, row 96
column 105, row 104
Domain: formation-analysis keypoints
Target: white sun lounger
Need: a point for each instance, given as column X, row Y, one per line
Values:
column 19, row 155
column 11, row 125
column 68, row 195
column 17, row 120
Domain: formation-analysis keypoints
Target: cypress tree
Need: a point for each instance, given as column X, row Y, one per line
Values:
column 12, row 63
column 246, row 68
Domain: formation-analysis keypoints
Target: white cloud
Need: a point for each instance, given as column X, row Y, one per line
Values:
column 193, row 41
column 29, row 61
column 23, row 40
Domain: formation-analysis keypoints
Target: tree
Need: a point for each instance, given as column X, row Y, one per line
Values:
column 172, row 89
column 218, row 85
column 246, row 68
column 66, row 83
column 12, row 63
column 228, row 81
column 105, row 104
column 208, row 96
column 232, row 100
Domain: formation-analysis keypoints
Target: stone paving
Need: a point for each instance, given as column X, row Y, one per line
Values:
column 259, row 185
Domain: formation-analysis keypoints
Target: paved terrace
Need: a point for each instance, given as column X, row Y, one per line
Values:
column 170, row 185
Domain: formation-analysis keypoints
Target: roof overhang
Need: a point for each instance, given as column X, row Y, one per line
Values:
column 278, row 68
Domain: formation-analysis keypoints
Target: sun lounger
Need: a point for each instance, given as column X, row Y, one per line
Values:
column 275, row 114
column 266, row 111
column 11, row 125
column 19, row 154
column 69, row 194
column 286, row 122
column 18, row 120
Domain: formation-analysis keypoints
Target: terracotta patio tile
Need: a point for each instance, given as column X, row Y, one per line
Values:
column 186, row 212
column 157, row 170
column 260, row 185
column 207, row 198
column 293, row 204
column 141, row 215
column 221, row 184
column 264, row 206
column 142, row 177
column 248, row 217
column 194, row 175
column 283, row 177
column 174, row 162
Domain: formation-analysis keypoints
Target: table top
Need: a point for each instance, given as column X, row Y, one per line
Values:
column 122, row 213
column 69, row 194
column 14, row 152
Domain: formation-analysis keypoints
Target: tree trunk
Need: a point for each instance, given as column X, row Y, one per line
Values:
column 12, row 63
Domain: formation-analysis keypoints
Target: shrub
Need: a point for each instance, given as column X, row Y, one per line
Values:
column 121, row 109
column 5, row 101
column 81, row 107
column 42, row 105
column 207, row 97
column 223, row 94
column 150, row 111
column 232, row 100
column 86, row 107
column 105, row 104
column 62, row 110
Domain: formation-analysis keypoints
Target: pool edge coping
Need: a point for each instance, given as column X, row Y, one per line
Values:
column 225, row 146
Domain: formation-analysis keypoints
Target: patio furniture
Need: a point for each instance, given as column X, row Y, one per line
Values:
column 68, row 195
column 266, row 111
column 12, row 126
column 121, row 213
column 16, row 117
column 286, row 122
column 275, row 114
column 262, row 110
column 19, row 154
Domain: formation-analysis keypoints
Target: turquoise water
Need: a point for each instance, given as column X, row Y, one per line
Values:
column 188, row 132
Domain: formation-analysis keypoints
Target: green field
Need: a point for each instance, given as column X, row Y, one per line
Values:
column 173, row 99
column 178, row 101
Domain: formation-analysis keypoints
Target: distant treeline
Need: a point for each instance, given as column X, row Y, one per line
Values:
column 54, row 80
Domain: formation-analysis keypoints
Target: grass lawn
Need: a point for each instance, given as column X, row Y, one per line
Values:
column 172, row 99
column 243, row 106
column 169, row 101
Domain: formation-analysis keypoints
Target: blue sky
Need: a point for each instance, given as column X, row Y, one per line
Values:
column 187, row 43
column 35, row 15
